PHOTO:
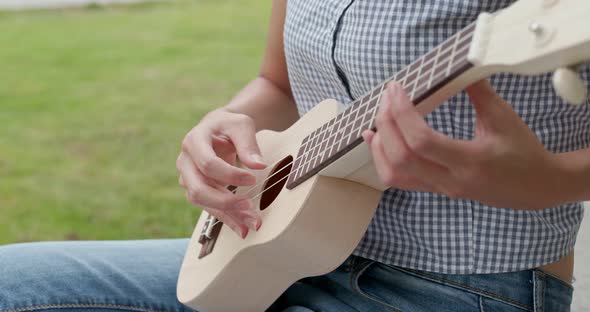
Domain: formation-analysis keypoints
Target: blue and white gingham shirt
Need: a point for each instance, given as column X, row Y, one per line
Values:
column 342, row 48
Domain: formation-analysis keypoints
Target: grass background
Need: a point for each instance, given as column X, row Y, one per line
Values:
column 94, row 103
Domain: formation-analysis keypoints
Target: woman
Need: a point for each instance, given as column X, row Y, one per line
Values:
column 471, row 222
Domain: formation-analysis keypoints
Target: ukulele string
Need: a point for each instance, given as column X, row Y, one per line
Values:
column 378, row 96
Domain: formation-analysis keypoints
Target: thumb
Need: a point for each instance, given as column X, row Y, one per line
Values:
column 484, row 98
column 244, row 140
column 491, row 109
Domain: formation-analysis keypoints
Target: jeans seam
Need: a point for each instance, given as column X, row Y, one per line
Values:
column 354, row 284
column 82, row 305
column 543, row 294
column 465, row 287
column 538, row 307
column 481, row 304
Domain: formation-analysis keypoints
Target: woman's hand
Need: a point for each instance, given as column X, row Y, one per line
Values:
column 207, row 166
column 505, row 165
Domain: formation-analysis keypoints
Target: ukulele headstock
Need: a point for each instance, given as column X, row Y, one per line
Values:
column 537, row 36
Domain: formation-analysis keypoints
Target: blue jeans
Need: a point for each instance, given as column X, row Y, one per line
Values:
column 141, row 276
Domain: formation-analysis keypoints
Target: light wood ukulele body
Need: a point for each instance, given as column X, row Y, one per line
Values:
column 309, row 230
column 313, row 222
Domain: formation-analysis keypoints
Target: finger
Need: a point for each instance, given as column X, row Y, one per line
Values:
column 389, row 175
column 420, row 138
column 225, row 149
column 212, row 166
column 238, row 228
column 491, row 109
column 368, row 136
column 250, row 217
column 203, row 194
column 431, row 176
column 396, row 149
column 245, row 211
column 243, row 136
column 481, row 94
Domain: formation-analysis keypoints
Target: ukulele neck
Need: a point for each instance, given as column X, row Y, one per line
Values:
column 339, row 138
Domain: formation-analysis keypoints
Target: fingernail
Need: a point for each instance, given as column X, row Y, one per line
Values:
column 242, row 204
column 257, row 158
column 240, row 231
column 252, row 224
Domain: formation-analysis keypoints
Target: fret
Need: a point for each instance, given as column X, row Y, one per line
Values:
column 434, row 67
column 452, row 55
column 296, row 168
column 422, row 81
column 347, row 130
column 311, row 151
column 310, row 159
column 333, row 134
column 400, row 77
column 352, row 125
column 375, row 92
column 409, row 81
column 305, row 140
column 340, row 133
column 467, row 31
column 462, row 54
column 321, row 145
column 320, row 151
column 381, row 89
column 415, row 66
column 448, row 44
column 365, row 99
column 325, row 144
column 417, row 79
column 372, row 114
column 303, row 162
column 445, row 56
column 359, row 121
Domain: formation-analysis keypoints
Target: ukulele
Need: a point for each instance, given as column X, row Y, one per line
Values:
column 319, row 196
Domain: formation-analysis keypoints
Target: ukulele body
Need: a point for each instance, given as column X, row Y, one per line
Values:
column 307, row 231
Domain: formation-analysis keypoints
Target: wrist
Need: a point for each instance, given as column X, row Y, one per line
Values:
column 573, row 180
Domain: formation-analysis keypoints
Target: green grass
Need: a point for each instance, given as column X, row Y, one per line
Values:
column 94, row 104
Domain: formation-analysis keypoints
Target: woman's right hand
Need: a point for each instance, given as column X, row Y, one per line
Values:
column 207, row 166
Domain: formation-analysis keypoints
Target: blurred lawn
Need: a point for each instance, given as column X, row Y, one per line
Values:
column 94, row 104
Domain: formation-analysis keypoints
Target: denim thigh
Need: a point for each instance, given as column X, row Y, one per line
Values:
column 365, row 285
column 91, row 276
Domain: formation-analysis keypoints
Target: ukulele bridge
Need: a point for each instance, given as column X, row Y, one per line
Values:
column 210, row 231
column 208, row 227
column 209, row 235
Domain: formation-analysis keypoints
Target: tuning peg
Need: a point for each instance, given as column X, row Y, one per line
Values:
column 569, row 86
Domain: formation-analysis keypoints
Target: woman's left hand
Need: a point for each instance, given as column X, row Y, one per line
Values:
column 505, row 165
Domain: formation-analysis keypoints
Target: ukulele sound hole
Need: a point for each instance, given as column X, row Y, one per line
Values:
column 275, row 182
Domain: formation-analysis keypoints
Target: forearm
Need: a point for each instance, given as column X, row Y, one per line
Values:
column 576, row 166
column 268, row 105
column 267, row 99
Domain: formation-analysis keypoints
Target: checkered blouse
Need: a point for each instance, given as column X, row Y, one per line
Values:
column 342, row 48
